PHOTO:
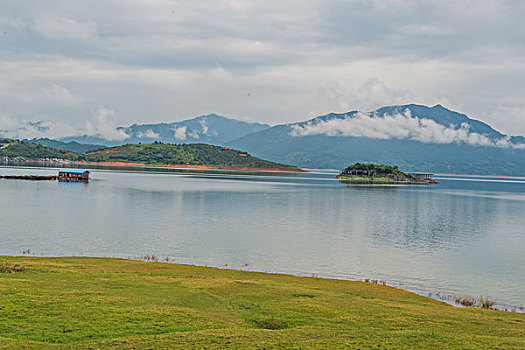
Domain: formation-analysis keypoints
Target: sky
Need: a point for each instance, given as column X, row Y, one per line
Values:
column 75, row 67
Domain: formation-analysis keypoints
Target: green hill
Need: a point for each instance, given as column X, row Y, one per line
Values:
column 381, row 173
column 71, row 146
column 14, row 148
column 183, row 154
column 150, row 154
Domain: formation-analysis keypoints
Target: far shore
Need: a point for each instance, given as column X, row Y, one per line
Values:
column 65, row 163
column 483, row 175
column 189, row 166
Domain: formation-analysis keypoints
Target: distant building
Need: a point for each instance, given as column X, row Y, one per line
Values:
column 421, row 175
column 357, row 172
column 73, row 175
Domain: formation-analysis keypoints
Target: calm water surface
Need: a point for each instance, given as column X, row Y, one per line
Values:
column 465, row 235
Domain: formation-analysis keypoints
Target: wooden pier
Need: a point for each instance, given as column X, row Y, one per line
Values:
column 30, row 177
column 64, row 175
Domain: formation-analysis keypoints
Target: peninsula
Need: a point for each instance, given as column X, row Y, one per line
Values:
column 382, row 174
column 194, row 155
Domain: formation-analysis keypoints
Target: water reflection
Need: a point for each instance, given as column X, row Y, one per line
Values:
column 438, row 236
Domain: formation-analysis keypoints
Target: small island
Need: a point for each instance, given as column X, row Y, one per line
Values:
column 382, row 174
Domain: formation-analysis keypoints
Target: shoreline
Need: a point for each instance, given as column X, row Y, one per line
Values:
column 447, row 297
column 61, row 163
column 483, row 175
column 381, row 182
column 188, row 166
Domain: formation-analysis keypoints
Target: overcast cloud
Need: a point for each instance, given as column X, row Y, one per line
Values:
column 92, row 65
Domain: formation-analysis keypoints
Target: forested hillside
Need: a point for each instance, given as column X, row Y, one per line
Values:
column 71, row 146
column 14, row 148
column 151, row 154
column 173, row 154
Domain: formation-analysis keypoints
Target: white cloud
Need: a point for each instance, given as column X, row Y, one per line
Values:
column 193, row 134
column 60, row 95
column 373, row 92
column 204, row 126
column 12, row 23
column 180, row 133
column 103, row 125
column 220, row 74
column 8, row 123
column 19, row 128
column 510, row 118
column 148, row 134
column 183, row 132
column 397, row 126
column 62, row 28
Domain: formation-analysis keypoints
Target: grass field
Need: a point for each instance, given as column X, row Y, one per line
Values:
column 90, row 303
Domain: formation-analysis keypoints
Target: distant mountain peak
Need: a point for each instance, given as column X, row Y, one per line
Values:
column 437, row 113
column 210, row 128
column 425, row 138
column 213, row 115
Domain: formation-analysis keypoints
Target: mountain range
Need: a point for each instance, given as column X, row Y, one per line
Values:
column 414, row 137
column 72, row 146
column 212, row 129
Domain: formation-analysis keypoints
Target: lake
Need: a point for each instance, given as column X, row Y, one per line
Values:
column 465, row 235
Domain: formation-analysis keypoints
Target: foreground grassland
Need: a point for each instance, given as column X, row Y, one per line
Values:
column 82, row 303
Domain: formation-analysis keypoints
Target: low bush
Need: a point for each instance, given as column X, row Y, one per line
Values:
column 11, row 268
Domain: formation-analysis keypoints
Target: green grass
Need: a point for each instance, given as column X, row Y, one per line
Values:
column 82, row 303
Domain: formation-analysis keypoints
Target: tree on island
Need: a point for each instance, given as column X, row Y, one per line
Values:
column 378, row 173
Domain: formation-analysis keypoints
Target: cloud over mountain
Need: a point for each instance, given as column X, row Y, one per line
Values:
column 148, row 134
column 415, row 137
column 102, row 129
column 397, row 126
column 104, row 126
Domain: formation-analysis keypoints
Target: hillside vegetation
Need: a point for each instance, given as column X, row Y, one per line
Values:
column 171, row 154
column 150, row 154
column 14, row 148
column 377, row 173
column 71, row 146
column 100, row 303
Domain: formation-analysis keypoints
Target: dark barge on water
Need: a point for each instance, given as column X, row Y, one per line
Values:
column 73, row 175
column 64, row 175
